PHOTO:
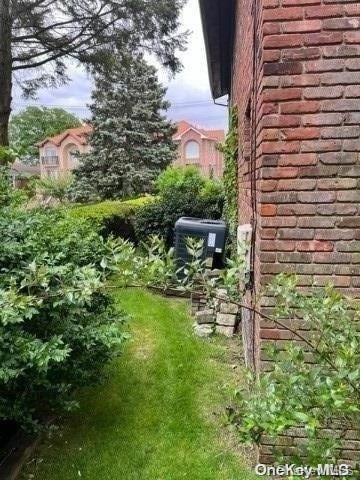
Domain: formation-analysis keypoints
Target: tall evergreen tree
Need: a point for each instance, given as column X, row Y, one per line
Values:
column 132, row 140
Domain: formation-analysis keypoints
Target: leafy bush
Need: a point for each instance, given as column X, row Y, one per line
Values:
column 30, row 187
column 8, row 194
column 56, row 188
column 7, row 155
column 188, row 181
column 57, row 326
column 213, row 190
column 179, row 178
column 316, row 396
column 157, row 266
column 112, row 217
column 181, row 192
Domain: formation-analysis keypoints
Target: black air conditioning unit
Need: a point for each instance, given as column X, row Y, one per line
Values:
column 212, row 232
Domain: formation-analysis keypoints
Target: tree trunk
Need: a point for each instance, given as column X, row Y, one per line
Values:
column 5, row 71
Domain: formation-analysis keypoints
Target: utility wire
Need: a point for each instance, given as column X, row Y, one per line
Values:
column 74, row 106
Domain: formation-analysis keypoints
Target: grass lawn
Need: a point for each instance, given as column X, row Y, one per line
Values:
column 160, row 413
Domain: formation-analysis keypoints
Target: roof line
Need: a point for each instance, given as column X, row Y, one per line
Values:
column 218, row 21
column 190, row 128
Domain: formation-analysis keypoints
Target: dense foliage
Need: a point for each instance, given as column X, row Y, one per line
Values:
column 132, row 140
column 7, row 155
column 181, row 192
column 315, row 384
column 30, row 126
column 55, row 188
column 230, row 150
column 57, row 326
column 112, row 217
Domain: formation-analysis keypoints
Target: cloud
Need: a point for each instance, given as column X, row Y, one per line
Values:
column 74, row 96
column 189, row 92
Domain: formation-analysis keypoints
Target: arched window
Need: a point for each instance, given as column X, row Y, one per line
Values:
column 192, row 151
column 73, row 158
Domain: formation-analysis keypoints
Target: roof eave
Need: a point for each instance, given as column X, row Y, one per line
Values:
column 218, row 28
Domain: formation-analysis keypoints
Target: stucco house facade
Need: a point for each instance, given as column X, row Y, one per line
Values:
column 58, row 154
column 196, row 146
column 292, row 68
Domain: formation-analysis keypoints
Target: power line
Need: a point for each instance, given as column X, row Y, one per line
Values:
column 85, row 107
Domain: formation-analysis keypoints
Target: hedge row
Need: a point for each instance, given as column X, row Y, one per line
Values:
column 181, row 192
column 112, row 217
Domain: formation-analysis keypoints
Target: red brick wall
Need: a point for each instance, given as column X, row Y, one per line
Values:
column 310, row 145
column 307, row 96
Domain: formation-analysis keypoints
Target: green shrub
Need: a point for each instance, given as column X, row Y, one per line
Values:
column 112, row 217
column 181, row 192
column 7, row 155
column 30, row 187
column 8, row 194
column 320, row 394
column 56, row 188
column 179, row 179
column 213, row 190
column 57, row 326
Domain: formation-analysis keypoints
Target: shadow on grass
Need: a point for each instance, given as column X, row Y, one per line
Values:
column 159, row 413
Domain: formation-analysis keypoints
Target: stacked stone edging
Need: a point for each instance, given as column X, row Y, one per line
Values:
column 222, row 317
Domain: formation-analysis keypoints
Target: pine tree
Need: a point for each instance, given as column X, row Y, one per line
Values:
column 132, row 140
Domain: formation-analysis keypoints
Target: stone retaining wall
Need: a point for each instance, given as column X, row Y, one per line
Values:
column 223, row 317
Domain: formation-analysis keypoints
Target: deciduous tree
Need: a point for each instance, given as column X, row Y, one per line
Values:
column 34, row 124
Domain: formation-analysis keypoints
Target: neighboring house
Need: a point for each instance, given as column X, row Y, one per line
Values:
column 293, row 70
column 22, row 173
column 59, row 154
column 196, row 146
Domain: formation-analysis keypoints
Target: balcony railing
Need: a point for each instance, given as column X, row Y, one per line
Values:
column 50, row 160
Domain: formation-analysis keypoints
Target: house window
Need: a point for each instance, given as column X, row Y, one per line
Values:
column 192, row 152
column 50, row 156
column 50, row 152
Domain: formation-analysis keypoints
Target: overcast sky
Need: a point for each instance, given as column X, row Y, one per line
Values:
column 189, row 91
